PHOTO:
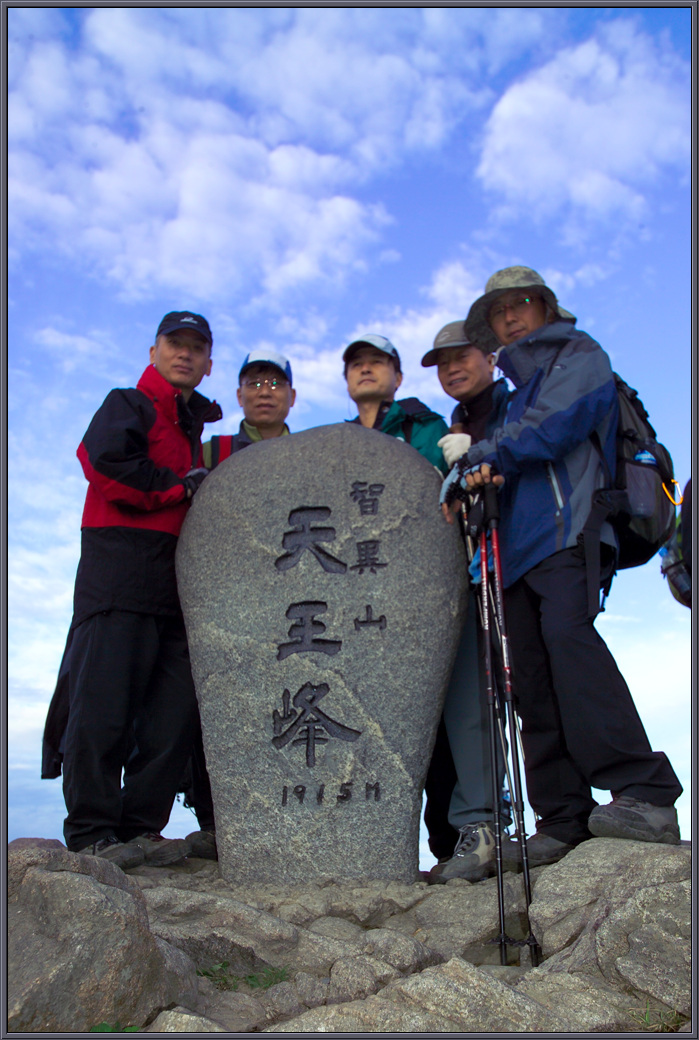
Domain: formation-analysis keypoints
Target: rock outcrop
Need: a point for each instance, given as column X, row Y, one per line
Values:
column 182, row 950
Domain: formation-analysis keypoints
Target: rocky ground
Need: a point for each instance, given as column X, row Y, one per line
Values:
column 180, row 950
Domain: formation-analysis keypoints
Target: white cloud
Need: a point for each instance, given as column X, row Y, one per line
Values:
column 173, row 150
column 591, row 129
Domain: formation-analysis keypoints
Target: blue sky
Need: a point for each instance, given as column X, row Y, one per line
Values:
column 303, row 175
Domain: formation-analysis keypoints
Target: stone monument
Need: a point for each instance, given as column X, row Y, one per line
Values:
column 323, row 594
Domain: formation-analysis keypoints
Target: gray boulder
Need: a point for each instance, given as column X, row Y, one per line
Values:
column 80, row 950
column 593, row 1005
column 461, row 919
column 182, row 1020
column 357, row 976
column 236, row 1012
column 379, row 957
column 566, row 898
column 214, row 928
column 315, row 574
column 452, row 997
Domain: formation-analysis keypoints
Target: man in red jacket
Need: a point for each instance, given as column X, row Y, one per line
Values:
column 126, row 666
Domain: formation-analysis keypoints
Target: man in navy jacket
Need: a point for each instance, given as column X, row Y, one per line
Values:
column 580, row 727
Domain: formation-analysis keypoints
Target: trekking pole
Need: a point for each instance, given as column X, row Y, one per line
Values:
column 473, row 530
column 492, row 517
column 490, row 694
column 497, row 644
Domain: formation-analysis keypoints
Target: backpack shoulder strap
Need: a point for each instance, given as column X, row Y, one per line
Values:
column 414, row 409
column 221, row 448
column 590, row 534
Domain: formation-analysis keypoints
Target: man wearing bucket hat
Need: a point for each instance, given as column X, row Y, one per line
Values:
column 459, row 781
column 580, row 727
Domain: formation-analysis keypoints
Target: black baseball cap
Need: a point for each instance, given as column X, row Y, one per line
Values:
column 184, row 320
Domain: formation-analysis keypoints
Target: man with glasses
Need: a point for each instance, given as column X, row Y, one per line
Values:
column 266, row 395
column 580, row 727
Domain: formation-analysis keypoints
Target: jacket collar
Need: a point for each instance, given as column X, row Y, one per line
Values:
column 500, row 393
column 522, row 359
column 154, row 386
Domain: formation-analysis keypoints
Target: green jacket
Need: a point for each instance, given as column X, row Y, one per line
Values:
column 412, row 421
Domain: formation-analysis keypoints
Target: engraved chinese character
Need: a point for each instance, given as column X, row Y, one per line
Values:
column 367, row 495
column 367, row 557
column 369, row 619
column 305, row 536
column 306, row 628
column 307, row 722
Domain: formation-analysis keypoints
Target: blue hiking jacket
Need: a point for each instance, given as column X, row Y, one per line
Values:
column 564, row 389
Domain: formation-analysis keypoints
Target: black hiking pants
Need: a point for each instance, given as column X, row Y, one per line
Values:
column 132, row 700
column 580, row 727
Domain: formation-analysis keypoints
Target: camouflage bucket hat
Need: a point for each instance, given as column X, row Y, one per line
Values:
column 476, row 323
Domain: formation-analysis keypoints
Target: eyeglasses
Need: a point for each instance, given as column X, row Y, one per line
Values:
column 498, row 310
column 257, row 384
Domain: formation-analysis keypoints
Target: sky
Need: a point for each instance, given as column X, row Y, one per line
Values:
column 305, row 175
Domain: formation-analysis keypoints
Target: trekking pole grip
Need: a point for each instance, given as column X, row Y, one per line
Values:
column 491, row 507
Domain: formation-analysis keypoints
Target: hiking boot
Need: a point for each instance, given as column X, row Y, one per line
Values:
column 110, row 848
column 202, row 844
column 542, row 850
column 432, row 875
column 627, row 817
column 159, row 851
column 474, row 855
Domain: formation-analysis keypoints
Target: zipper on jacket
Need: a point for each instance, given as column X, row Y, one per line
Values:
column 556, row 487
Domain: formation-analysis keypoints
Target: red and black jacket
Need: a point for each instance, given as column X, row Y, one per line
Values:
column 138, row 447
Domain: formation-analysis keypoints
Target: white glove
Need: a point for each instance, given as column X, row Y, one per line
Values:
column 453, row 446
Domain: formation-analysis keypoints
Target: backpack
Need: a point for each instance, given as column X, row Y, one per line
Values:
column 673, row 566
column 639, row 502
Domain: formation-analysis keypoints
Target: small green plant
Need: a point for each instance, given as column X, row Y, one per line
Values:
column 223, row 979
column 220, row 976
column 104, row 1027
column 658, row 1020
column 267, row 977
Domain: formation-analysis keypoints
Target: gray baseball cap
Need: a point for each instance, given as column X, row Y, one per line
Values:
column 517, row 277
column 452, row 335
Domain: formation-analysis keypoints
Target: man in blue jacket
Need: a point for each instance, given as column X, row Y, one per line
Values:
column 580, row 727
